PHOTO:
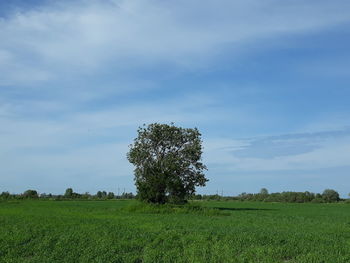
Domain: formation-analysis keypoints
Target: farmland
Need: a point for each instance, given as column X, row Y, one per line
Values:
column 119, row 231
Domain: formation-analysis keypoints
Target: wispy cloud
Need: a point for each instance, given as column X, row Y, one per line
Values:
column 308, row 151
column 78, row 78
column 62, row 40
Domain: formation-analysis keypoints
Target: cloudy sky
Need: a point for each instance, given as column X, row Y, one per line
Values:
column 266, row 82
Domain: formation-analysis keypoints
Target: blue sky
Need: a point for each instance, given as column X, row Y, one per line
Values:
column 266, row 82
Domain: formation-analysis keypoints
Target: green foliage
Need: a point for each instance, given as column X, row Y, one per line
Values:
column 102, row 195
column 86, row 196
column 264, row 192
column 68, row 193
column 110, row 195
column 105, row 231
column 5, row 195
column 317, row 200
column 167, row 163
column 330, row 196
column 30, row 194
column 191, row 208
column 127, row 196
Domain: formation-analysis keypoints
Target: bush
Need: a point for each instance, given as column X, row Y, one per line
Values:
column 189, row 208
column 317, row 200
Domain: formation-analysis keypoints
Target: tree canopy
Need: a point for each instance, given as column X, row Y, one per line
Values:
column 330, row 195
column 30, row 194
column 69, row 192
column 167, row 162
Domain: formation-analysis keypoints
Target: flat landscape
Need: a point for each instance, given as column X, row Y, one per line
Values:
column 123, row 231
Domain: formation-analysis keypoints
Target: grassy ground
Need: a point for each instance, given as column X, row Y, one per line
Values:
column 106, row 231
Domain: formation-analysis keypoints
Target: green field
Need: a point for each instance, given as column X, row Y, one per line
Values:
column 106, row 231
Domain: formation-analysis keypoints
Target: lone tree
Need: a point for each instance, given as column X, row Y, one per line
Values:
column 167, row 163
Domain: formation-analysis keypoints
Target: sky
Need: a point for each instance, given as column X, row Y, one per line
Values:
column 267, row 83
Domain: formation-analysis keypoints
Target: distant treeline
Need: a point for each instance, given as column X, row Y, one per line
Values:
column 328, row 196
column 68, row 195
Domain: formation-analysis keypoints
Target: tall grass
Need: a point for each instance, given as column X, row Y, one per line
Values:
column 189, row 208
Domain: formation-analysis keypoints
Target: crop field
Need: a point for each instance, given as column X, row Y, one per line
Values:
column 124, row 231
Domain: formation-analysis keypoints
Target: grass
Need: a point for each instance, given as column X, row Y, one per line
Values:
column 124, row 231
column 193, row 208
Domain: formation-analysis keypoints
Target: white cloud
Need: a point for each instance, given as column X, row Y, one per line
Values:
column 94, row 144
column 332, row 150
column 20, row 131
column 72, row 42
column 77, row 142
column 79, row 38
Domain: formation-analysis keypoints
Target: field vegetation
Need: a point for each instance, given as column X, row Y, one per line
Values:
column 201, row 231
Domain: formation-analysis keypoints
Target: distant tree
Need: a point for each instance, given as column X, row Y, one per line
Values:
column 68, row 193
column 86, row 195
column 30, row 194
column 242, row 196
column 127, row 196
column 76, row 195
column 110, row 195
column 198, row 197
column 5, row 195
column 308, row 197
column 330, row 195
column 99, row 194
column 167, row 163
column 43, row 195
column 104, row 194
column 264, row 191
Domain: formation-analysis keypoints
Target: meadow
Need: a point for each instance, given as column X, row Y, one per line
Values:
column 216, row 231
